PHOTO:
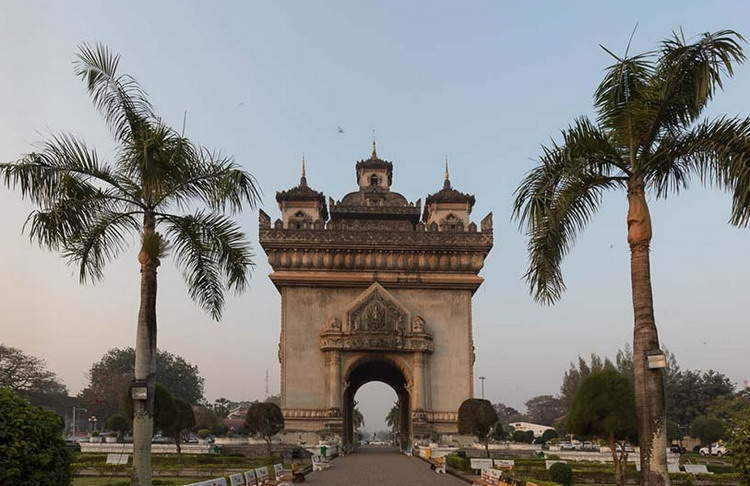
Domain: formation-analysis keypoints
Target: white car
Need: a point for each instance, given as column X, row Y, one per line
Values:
column 716, row 450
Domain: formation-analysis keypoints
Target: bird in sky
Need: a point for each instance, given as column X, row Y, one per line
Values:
column 340, row 130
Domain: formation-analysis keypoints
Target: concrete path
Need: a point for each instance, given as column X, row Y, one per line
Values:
column 380, row 466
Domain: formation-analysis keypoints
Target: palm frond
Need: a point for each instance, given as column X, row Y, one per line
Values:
column 120, row 99
column 216, row 181
column 100, row 241
column 718, row 152
column 45, row 176
column 213, row 254
column 687, row 76
column 619, row 95
column 558, row 197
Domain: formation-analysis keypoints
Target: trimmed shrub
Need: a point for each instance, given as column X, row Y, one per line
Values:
column 561, row 473
column 32, row 450
column 203, row 433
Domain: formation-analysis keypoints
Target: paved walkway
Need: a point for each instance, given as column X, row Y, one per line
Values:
column 380, row 466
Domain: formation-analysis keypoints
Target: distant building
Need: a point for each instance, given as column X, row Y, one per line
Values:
column 236, row 418
column 536, row 428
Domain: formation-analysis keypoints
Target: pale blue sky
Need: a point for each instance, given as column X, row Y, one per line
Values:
column 484, row 83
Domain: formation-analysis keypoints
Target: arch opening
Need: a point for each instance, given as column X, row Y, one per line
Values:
column 384, row 371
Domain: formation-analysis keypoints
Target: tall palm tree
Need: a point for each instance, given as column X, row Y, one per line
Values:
column 393, row 419
column 358, row 420
column 161, row 188
column 649, row 138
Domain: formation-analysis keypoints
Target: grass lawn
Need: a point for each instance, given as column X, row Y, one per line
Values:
column 124, row 481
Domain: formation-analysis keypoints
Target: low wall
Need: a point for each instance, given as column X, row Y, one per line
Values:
column 155, row 448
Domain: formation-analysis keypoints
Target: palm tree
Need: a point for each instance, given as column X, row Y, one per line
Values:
column 89, row 210
column 358, row 420
column 648, row 138
column 393, row 419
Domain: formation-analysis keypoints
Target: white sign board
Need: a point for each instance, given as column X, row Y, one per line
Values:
column 117, row 459
column 673, row 467
column 548, row 463
column 477, row 463
column 504, row 463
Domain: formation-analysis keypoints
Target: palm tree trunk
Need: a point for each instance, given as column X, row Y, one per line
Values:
column 648, row 383
column 145, row 357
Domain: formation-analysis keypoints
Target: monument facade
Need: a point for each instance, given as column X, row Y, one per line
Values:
column 375, row 288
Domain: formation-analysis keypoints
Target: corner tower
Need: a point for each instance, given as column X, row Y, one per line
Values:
column 376, row 290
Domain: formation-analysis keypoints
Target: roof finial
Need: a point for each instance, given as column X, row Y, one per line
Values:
column 447, row 182
column 303, row 179
column 374, row 150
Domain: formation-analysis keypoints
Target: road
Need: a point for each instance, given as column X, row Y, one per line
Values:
column 380, row 466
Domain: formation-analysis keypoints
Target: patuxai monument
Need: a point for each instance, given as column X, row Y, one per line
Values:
column 375, row 288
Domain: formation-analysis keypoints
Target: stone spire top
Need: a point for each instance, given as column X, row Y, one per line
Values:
column 303, row 179
column 447, row 181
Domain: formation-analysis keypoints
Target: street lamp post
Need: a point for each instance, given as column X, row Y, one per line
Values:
column 482, row 378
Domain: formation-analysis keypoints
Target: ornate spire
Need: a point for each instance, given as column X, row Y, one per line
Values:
column 447, row 181
column 374, row 150
column 303, row 179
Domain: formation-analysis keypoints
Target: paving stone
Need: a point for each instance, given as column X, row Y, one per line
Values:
column 380, row 466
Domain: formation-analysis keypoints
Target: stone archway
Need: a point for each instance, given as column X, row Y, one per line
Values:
column 380, row 368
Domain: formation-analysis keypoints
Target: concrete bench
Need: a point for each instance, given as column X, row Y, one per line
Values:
column 480, row 464
column 238, row 480
column 696, row 469
column 319, row 464
column 118, row 459
column 211, row 482
column 250, row 479
column 504, row 464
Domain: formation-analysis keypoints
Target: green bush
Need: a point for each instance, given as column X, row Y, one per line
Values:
column 458, row 462
column 32, row 450
column 561, row 473
column 203, row 433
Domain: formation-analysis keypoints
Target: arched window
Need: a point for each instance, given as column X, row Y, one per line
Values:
column 374, row 180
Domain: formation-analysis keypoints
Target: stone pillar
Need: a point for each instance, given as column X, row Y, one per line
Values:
column 418, row 386
column 334, row 379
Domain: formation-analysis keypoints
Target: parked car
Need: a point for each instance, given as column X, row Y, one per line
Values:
column 677, row 449
column 716, row 450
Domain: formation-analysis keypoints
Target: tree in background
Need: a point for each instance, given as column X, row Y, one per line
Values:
column 264, row 420
column 561, row 473
column 550, row 434
column 674, row 432
column 29, row 376
column 604, row 407
column 477, row 417
column 118, row 423
column 649, row 138
column 690, row 393
column 113, row 373
column 182, row 422
column 393, row 419
column 507, row 415
column 731, row 406
column 32, row 450
column 205, row 418
column 544, row 409
column 358, row 420
column 577, row 373
column 169, row 193
column 221, row 407
column 276, row 399
column 738, row 447
column 523, row 436
column 708, row 430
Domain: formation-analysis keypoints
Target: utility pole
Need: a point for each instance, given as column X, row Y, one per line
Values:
column 482, row 378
